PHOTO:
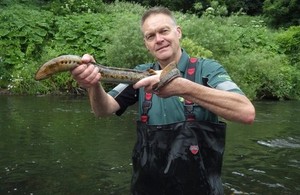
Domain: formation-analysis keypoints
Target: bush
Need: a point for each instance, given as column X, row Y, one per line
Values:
column 194, row 49
column 248, row 50
column 22, row 36
column 79, row 34
column 262, row 75
column 289, row 43
column 30, row 38
column 70, row 7
column 264, row 63
column 127, row 48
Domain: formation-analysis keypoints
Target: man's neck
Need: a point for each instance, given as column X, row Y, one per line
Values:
column 164, row 63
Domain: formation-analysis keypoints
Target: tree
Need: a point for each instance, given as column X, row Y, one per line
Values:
column 250, row 7
column 282, row 13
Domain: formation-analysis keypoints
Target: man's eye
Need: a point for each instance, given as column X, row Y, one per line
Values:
column 149, row 37
column 165, row 31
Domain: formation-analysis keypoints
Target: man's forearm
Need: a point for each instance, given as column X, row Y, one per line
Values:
column 102, row 103
column 229, row 105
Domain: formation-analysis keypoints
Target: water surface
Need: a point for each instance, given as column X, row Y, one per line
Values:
column 54, row 145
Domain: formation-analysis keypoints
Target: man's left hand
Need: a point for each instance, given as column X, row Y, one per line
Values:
column 149, row 82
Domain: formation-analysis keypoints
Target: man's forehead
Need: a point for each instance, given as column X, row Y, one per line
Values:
column 157, row 21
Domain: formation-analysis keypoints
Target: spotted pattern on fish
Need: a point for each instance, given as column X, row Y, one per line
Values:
column 108, row 74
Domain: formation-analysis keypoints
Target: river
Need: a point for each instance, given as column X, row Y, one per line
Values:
column 54, row 145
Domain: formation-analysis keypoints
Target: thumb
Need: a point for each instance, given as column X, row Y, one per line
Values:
column 87, row 58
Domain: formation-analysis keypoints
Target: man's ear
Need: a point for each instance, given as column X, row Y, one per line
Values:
column 179, row 32
column 146, row 45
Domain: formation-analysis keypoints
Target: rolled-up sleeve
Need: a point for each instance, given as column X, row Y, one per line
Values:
column 217, row 77
column 125, row 95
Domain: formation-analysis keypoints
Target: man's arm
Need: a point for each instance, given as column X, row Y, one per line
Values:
column 102, row 103
column 229, row 105
column 87, row 75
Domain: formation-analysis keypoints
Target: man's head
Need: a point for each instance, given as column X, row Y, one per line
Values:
column 157, row 10
column 161, row 35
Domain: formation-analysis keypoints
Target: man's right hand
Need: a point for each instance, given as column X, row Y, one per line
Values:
column 86, row 74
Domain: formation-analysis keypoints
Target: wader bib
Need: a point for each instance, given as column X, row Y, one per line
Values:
column 183, row 158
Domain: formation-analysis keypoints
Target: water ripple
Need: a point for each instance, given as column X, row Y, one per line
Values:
column 281, row 143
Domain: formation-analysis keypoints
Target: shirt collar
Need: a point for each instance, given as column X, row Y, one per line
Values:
column 183, row 61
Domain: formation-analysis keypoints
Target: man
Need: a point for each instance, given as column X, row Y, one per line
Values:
column 180, row 141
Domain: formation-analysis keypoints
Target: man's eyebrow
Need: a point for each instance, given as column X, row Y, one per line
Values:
column 157, row 29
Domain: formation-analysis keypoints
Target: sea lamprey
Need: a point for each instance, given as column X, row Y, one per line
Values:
column 108, row 74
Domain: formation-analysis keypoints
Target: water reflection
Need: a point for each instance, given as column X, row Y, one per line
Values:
column 264, row 158
column 54, row 145
column 281, row 143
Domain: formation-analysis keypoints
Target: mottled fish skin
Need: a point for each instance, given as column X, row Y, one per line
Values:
column 123, row 75
column 108, row 74
column 56, row 65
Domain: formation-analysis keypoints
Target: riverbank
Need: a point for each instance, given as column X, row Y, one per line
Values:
column 5, row 92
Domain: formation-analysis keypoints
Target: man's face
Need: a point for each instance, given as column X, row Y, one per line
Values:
column 161, row 37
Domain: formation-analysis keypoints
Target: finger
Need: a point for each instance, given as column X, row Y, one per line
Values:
column 147, row 82
column 82, row 72
column 87, row 58
column 87, row 84
column 96, row 79
column 141, row 83
column 78, row 70
column 93, row 76
column 90, row 80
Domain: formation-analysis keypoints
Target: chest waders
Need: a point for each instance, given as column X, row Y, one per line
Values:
column 183, row 158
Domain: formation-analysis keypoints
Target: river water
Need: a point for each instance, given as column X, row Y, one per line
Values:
column 54, row 145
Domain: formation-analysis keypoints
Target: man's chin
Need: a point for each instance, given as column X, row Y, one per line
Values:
column 163, row 55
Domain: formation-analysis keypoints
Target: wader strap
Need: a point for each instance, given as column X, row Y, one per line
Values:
column 189, row 106
column 146, row 106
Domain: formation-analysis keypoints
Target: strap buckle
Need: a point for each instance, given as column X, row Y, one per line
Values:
column 147, row 103
column 144, row 118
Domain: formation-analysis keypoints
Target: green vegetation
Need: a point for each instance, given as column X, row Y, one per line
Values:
column 263, row 61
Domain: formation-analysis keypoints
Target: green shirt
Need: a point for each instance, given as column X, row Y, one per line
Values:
column 171, row 110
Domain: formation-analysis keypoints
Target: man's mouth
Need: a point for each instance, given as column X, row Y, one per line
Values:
column 162, row 47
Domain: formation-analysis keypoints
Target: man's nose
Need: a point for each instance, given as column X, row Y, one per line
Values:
column 159, row 37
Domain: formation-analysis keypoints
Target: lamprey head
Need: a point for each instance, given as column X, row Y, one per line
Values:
column 59, row 64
